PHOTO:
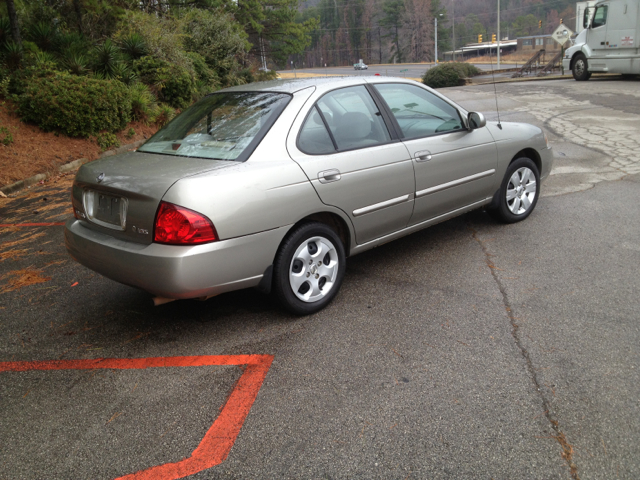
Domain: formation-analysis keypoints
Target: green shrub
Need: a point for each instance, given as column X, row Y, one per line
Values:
column 12, row 54
column 4, row 86
column 163, row 115
column 264, row 76
column 76, row 106
column 131, row 132
column 162, row 36
column 173, row 84
column 5, row 136
column 107, row 140
column 133, row 46
column 143, row 103
column 220, row 39
column 445, row 75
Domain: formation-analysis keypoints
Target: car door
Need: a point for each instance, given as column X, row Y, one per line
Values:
column 454, row 167
column 597, row 37
column 354, row 162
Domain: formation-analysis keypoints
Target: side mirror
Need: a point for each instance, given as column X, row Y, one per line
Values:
column 476, row 120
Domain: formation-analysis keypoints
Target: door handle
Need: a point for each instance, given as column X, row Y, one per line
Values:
column 329, row 176
column 423, row 156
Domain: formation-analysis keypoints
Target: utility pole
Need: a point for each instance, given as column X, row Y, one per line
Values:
column 498, row 49
column 436, row 22
column 453, row 22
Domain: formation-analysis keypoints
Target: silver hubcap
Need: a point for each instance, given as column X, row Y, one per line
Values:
column 579, row 67
column 521, row 191
column 314, row 269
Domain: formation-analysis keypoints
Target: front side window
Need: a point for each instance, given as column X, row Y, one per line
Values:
column 539, row 41
column 600, row 17
column 222, row 126
column 526, row 42
column 419, row 113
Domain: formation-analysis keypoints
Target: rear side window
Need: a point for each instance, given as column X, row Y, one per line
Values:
column 419, row 113
column 314, row 138
column 353, row 119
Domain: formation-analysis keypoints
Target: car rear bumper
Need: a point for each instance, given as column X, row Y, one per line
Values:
column 174, row 271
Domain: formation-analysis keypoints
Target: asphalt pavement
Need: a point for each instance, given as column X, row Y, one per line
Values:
column 468, row 350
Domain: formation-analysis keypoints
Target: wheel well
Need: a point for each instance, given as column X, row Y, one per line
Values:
column 529, row 153
column 335, row 222
column 573, row 59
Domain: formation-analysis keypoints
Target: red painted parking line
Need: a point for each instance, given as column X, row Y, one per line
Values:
column 219, row 439
column 48, row 224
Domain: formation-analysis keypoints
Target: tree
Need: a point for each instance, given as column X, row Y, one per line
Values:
column 13, row 22
column 393, row 20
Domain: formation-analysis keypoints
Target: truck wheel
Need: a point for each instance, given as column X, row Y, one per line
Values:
column 580, row 70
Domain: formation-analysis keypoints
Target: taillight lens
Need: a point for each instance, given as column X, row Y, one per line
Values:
column 180, row 226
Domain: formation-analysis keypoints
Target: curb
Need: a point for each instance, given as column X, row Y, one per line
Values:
column 67, row 167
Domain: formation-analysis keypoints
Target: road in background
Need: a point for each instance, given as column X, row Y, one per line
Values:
column 468, row 350
column 409, row 70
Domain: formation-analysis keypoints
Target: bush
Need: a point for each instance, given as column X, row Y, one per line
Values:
column 263, row 76
column 220, row 39
column 173, row 84
column 76, row 106
column 449, row 75
column 107, row 140
column 5, row 136
column 162, row 115
column 143, row 103
column 161, row 36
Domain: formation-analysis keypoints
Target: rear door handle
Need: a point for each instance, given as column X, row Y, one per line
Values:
column 423, row 156
column 329, row 176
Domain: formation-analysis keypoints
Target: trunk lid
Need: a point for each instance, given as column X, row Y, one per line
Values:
column 120, row 195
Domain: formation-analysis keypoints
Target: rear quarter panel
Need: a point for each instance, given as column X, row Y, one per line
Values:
column 267, row 191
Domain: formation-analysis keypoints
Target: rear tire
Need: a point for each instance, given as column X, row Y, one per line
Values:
column 309, row 268
column 580, row 68
column 519, row 192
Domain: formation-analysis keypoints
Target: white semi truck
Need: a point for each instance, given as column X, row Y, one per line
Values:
column 609, row 42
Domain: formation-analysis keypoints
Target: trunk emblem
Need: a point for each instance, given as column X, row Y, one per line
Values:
column 100, row 177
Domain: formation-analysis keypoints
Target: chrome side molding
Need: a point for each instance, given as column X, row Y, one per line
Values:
column 455, row 183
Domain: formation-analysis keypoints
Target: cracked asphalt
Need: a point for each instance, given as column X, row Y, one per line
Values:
column 468, row 350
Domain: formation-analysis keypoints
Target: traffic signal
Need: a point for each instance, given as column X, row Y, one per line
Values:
column 540, row 23
column 493, row 38
column 479, row 38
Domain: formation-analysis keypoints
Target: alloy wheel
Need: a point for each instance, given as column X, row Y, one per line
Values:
column 521, row 191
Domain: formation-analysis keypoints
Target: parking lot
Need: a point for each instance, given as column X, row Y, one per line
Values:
column 468, row 350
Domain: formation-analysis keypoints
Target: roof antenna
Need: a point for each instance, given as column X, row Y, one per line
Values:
column 494, row 89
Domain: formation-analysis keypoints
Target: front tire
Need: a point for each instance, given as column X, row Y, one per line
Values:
column 519, row 192
column 580, row 68
column 309, row 268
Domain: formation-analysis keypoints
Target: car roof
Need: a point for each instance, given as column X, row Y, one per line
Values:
column 295, row 85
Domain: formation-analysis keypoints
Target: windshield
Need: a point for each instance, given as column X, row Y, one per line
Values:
column 222, row 126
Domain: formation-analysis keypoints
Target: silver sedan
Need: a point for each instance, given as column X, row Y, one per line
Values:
column 272, row 185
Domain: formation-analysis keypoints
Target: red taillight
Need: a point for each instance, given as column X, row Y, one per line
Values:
column 180, row 226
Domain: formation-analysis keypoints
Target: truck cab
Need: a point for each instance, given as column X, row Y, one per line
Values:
column 609, row 42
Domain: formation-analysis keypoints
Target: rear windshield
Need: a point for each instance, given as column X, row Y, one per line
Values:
column 222, row 126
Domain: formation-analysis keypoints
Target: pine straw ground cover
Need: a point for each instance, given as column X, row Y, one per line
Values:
column 34, row 151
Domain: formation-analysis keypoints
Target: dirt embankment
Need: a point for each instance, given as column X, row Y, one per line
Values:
column 34, row 151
